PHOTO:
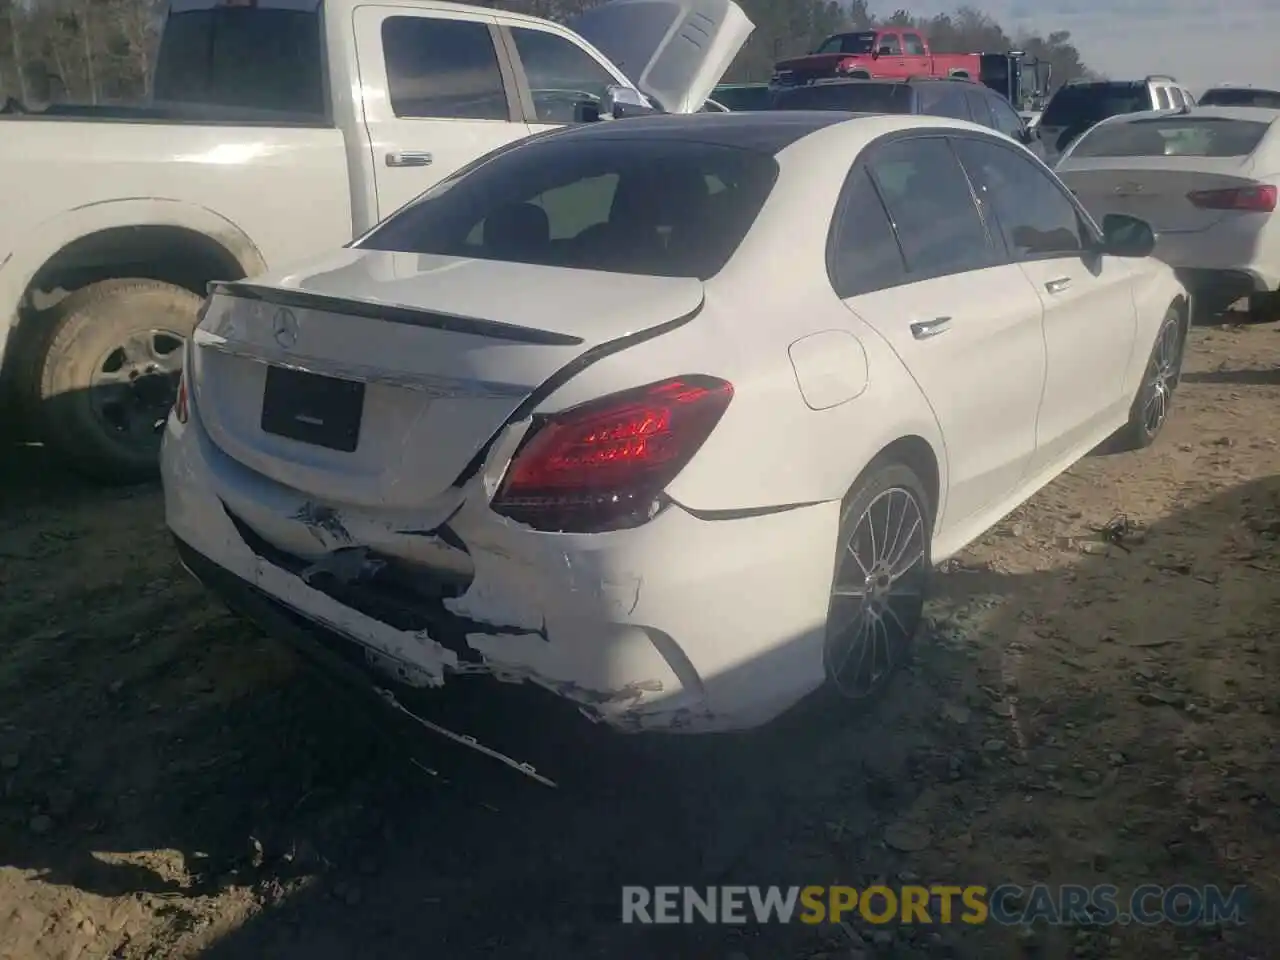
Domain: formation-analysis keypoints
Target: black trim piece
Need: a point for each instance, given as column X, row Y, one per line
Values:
column 746, row 513
column 564, row 375
column 391, row 313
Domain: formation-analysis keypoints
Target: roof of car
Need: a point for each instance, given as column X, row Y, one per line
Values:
column 762, row 131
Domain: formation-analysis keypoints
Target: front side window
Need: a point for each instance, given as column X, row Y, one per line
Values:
column 652, row 206
column 933, row 212
column 560, row 73
column 889, row 45
column 1007, row 120
column 1035, row 216
column 444, row 69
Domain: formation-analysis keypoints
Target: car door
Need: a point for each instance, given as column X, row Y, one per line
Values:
column 1090, row 323
column 889, row 61
column 556, row 75
column 438, row 92
column 913, row 259
column 915, row 55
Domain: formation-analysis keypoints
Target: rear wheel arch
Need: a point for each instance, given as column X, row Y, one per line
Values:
column 915, row 453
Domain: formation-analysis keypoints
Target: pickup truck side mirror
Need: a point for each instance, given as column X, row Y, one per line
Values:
column 619, row 101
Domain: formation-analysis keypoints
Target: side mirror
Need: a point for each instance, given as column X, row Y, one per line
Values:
column 1124, row 236
column 619, row 101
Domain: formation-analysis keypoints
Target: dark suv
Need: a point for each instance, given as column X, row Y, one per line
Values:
column 936, row 97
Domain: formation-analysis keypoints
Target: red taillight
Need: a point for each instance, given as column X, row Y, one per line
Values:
column 1257, row 199
column 601, row 465
column 181, row 408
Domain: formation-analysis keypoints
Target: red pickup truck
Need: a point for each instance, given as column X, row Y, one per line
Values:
column 892, row 52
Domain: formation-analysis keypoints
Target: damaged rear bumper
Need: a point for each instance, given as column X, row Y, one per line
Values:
column 684, row 624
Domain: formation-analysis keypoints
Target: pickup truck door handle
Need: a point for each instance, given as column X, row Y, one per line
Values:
column 1058, row 285
column 409, row 158
column 924, row 329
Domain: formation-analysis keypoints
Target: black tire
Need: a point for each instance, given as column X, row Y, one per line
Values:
column 1160, row 380
column 908, row 519
column 104, row 373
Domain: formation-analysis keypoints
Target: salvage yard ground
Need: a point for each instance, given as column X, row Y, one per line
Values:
column 172, row 785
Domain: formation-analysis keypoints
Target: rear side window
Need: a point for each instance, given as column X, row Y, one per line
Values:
column 864, row 255
column 1173, row 137
column 1162, row 99
column 1241, row 97
column 931, row 206
column 655, row 207
column 246, row 57
column 855, row 96
column 443, row 69
column 1083, row 105
column 945, row 99
column 912, row 45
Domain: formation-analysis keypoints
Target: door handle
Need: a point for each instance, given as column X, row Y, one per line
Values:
column 924, row 329
column 1058, row 285
column 409, row 158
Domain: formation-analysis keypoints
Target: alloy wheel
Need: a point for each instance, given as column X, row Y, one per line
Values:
column 877, row 595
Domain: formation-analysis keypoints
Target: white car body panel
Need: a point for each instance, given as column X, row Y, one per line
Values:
column 1155, row 189
column 683, row 623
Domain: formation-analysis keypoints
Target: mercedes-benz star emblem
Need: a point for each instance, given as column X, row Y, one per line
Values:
column 284, row 326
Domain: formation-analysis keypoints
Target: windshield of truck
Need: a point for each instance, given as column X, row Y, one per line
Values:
column 652, row 206
column 854, row 96
column 1088, row 103
column 1241, row 97
column 254, row 58
column 864, row 42
column 1173, row 137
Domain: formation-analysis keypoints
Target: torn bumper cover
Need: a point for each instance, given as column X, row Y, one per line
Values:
column 684, row 624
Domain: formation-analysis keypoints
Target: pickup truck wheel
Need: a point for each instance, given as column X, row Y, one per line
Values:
column 106, row 375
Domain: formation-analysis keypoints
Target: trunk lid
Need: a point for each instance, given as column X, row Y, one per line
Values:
column 675, row 51
column 1154, row 189
column 377, row 377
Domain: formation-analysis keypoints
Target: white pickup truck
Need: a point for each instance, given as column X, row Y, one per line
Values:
column 278, row 129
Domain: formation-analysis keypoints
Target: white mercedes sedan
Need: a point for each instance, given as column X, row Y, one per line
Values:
column 670, row 416
column 1206, row 179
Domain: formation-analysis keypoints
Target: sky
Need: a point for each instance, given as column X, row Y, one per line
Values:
column 1200, row 42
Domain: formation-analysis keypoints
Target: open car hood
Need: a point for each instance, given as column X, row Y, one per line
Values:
column 674, row 51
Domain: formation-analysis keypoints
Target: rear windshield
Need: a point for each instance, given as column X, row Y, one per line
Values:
column 743, row 98
column 657, row 206
column 849, row 43
column 243, row 57
column 855, row 97
column 1089, row 103
column 1172, row 137
column 1241, row 97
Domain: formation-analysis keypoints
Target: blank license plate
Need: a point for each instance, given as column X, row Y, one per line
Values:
column 322, row 411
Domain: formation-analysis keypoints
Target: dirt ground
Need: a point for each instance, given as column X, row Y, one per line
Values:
column 174, row 785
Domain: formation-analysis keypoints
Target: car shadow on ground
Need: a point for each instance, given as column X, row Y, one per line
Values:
column 153, row 745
